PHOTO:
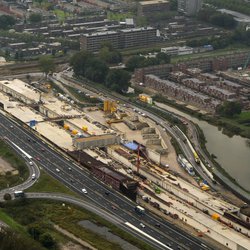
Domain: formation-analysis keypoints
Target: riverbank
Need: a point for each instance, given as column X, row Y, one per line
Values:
column 239, row 125
column 218, row 147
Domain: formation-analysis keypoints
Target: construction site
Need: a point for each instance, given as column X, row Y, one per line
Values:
column 131, row 153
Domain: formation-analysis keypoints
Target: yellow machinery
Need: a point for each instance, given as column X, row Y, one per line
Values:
column 74, row 132
column 109, row 106
column 66, row 126
column 145, row 98
column 85, row 128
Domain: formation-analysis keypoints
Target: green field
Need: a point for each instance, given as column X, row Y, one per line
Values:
column 46, row 183
column 42, row 215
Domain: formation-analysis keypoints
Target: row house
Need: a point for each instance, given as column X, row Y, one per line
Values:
column 162, row 70
column 209, row 78
column 222, row 94
column 231, row 86
column 181, row 93
column 193, row 83
column 177, row 76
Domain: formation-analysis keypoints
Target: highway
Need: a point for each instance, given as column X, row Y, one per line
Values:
column 75, row 178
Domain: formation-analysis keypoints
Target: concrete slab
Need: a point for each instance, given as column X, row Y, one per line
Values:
column 57, row 135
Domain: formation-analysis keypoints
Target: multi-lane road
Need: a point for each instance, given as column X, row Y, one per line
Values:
column 76, row 179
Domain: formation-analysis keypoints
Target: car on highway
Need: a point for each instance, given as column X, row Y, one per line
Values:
column 142, row 225
column 57, row 170
column 84, row 190
column 38, row 159
column 33, row 176
column 114, row 207
column 69, row 168
column 158, row 225
column 11, row 126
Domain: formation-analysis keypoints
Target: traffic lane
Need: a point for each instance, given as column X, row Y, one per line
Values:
column 67, row 162
column 77, row 188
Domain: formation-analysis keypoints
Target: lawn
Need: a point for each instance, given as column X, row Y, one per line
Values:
column 46, row 183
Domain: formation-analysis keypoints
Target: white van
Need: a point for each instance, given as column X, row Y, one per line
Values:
column 33, row 176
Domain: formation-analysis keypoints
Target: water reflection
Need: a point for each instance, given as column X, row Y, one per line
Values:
column 233, row 153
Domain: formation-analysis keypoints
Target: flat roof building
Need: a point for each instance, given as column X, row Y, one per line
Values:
column 96, row 141
column 149, row 8
column 125, row 38
column 189, row 7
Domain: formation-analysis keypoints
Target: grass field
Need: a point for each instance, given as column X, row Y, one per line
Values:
column 43, row 214
column 47, row 183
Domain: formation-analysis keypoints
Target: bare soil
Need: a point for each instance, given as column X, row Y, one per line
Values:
column 5, row 167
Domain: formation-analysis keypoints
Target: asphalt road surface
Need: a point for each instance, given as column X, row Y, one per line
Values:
column 76, row 179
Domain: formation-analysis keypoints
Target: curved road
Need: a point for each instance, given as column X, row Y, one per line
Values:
column 75, row 178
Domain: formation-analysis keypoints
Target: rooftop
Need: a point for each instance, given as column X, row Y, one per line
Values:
column 153, row 2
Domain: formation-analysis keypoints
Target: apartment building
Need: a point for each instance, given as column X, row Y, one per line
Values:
column 125, row 38
column 189, row 7
column 137, row 37
column 94, row 41
column 149, row 8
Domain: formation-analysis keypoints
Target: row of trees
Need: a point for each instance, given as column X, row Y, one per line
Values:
column 141, row 61
column 236, row 5
column 216, row 18
column 95, row 68
column 240, row 35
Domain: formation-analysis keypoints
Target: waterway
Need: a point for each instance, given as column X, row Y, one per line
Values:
column 233, row 153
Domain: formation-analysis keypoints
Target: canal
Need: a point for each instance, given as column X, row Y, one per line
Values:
column 233, row 153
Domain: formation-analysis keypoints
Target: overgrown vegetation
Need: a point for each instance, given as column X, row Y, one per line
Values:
column 139, row 61
column 217, row 18
column 39, row 217
column 10, row 239
column 8, row 154
column 241, row 6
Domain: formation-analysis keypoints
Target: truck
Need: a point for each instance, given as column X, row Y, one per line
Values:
column 18, row 194
column 139, row 210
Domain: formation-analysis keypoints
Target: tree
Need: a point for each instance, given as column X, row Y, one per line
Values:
column 134, row 62
column 109, row 55
column 47, row 240
column 7, row 22
column 118, row 80
column 46, row 64
column 96, row 70
column 7, row 197
column 79, row 62
column 173, row 4
column 35, row 18
column 229, row 109
column 163, row 58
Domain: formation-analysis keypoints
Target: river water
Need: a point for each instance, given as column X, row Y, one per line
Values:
column 233, row 153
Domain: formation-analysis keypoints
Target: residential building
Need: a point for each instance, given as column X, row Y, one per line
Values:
column 93, row 42
column 125, row 38
column 149, row 8
column 189, row 7
column 137, row 37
